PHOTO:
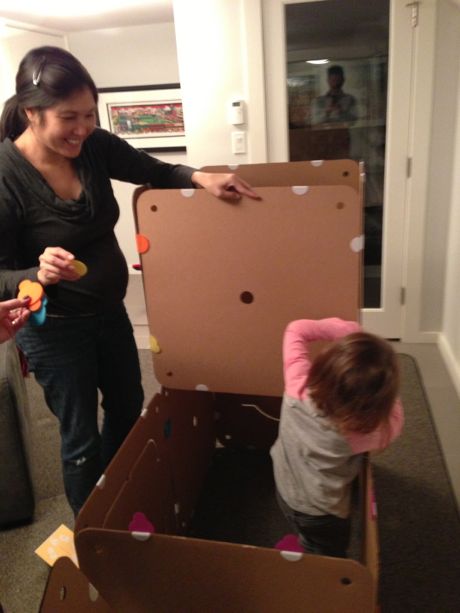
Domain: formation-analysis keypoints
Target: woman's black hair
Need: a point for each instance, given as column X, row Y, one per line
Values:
column 46, row 76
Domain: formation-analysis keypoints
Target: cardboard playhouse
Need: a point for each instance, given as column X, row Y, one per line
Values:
column 221, row 282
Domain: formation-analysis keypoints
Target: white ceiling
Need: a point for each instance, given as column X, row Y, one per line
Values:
column 50, row 14
column 57, row 15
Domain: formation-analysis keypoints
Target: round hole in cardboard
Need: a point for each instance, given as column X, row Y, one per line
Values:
column 246, row 297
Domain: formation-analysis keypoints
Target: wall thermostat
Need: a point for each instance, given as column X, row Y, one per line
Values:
column 237, row 112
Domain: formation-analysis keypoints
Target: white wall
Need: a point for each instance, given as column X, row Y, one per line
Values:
column 136, row 55
column 443, row 247
column 119, row 57
column 220, row 60
column 450, row 336
column 14, row 44
column 442, row 150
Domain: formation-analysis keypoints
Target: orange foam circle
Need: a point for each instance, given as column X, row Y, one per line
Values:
column 80, row 267
column 33, row 289
column 36, row 306
column 143, row 243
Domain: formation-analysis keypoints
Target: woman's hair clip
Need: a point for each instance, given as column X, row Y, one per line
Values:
column 37, row 74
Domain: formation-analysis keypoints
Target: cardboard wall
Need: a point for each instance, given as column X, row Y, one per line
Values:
column 167, row 574
column 160, row 468
column 136, row 569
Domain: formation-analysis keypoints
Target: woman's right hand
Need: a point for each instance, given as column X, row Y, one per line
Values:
column 56, row 265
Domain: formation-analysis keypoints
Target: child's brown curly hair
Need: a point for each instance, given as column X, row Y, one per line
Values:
column 355, row 381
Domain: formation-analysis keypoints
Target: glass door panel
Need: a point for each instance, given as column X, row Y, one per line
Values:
column 337, row 73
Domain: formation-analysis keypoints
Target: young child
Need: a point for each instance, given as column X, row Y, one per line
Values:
column 335, row 408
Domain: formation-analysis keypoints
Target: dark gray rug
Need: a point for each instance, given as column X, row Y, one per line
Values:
column 418, row 520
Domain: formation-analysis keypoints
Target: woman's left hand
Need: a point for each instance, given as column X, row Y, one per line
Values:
column 224, row 185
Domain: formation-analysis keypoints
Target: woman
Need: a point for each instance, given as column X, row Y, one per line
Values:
column 57, row 206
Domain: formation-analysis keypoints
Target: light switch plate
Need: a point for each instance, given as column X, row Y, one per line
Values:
column 238, row 142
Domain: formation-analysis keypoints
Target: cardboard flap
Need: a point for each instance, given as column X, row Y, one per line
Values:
column 222, row 281
column 154, row 500
column 314, row 172
column 167, row 573
column 180, row 428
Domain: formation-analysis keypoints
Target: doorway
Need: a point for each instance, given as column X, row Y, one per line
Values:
column 338, row 86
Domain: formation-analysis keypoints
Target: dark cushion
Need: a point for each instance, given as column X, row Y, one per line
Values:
column 16, row 494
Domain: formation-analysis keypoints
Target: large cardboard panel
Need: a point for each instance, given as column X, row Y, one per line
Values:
column 165, row 574
column 69, row 591
column 222, row 281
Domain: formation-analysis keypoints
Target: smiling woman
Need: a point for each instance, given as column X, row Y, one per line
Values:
column 56, row 206
column 58, row 136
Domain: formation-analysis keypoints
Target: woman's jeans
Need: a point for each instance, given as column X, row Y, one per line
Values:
column 72, row 358
column 327, row 535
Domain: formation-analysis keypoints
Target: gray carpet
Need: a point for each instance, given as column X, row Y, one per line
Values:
column 418, row 520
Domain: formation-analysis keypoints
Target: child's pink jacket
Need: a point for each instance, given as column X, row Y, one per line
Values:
column 296, row 364
column 314, row 463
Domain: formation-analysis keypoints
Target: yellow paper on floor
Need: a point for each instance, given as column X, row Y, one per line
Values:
column 58, row 545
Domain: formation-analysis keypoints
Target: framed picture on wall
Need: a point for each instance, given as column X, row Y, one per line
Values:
column 149, row 117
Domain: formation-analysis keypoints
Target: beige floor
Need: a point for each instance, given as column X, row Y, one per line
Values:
column 444, row 402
